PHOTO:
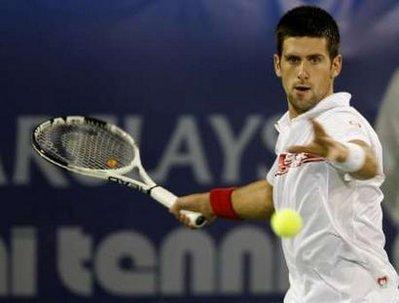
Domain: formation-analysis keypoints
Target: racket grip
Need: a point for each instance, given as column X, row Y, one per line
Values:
column 166, row 198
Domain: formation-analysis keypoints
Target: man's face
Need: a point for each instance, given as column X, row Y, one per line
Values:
column 306, row 72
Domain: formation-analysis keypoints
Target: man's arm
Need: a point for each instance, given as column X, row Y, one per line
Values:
column 252, row 201
column 339, row 153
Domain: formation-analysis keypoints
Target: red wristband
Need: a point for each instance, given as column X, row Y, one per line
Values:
column 221, row 203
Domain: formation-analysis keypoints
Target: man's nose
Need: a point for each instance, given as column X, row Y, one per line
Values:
column 302, row 71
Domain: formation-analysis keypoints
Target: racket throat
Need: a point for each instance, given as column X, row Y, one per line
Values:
column 129, row 184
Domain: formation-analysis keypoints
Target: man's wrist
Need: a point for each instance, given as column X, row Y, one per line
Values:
column 221, row 203
column 355, row 159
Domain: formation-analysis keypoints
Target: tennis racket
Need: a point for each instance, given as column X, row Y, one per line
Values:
column 102, row 150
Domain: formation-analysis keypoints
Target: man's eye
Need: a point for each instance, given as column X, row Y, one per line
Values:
column 293, row 60
column 315, row 60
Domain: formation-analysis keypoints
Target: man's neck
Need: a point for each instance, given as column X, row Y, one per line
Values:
column 294, row 112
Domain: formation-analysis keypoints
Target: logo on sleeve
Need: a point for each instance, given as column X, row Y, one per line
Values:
column 288, row 160
column 382, row 281
column 355, row 123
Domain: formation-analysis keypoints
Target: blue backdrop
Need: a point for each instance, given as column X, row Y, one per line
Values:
column 192, row 80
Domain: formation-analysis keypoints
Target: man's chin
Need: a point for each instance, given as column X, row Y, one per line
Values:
column 303, row 105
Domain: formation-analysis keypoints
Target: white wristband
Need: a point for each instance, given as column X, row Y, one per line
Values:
column 354, row 161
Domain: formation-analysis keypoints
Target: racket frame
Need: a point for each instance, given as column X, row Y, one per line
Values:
column 117, row 175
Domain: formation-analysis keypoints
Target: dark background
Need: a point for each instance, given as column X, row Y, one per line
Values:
column 189, row 79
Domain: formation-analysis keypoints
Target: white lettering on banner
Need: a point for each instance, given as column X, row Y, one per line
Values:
column 186, row 135
column 24, row 261
column 129, row 246
column 3, row 269
column 133, row 125
column 185, row 148
column 269, row 133
column 233, row 147
column 239, row 243
column 18, row 265
column 269, row 137
column 74, row 249
column 180, row 250
column 212, row 269
column 201, row 249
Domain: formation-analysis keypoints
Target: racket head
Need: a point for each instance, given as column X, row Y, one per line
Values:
column 86, row 145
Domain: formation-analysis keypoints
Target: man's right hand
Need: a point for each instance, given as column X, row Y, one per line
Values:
column 198, row 203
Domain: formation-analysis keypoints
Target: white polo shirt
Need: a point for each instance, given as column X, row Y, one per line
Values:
column 339, row 254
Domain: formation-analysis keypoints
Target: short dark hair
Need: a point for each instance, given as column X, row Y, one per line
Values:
column 308, row 21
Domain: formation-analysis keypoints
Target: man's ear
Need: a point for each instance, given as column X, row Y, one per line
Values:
column 277, row 65
column 336, row 66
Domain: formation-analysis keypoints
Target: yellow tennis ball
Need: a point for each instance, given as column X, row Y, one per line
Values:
column 286, row 223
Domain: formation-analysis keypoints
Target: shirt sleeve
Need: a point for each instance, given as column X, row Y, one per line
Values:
column 345, row 127
column 271, row 175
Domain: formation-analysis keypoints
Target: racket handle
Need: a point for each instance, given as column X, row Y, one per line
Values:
column 166, row 198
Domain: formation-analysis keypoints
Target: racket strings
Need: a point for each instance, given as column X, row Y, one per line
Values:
column 87, row 145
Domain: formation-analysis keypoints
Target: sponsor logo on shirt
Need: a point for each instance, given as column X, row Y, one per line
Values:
column 288, row 160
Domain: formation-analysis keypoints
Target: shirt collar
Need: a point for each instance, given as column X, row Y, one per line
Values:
column 340, row 99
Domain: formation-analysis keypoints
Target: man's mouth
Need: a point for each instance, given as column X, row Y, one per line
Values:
column 302, row 88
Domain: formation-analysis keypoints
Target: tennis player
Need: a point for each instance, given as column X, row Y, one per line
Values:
column 328, row 167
